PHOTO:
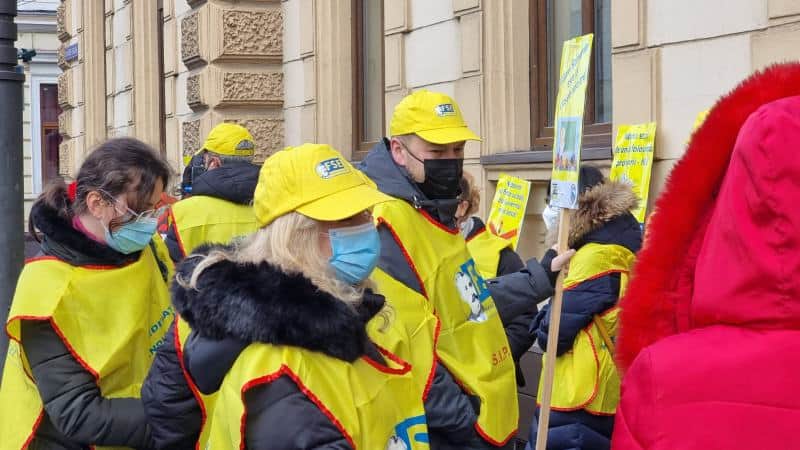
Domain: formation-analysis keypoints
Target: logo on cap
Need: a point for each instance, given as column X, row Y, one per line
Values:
column 445, row 109
column 245, row 147
column 331, row 168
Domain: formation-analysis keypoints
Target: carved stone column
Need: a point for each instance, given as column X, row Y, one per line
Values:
column 234, row 55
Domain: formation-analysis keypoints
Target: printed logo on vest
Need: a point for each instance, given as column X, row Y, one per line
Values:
column 331, row 168
column 445, row 109
column 404, row 435
column 473, row 290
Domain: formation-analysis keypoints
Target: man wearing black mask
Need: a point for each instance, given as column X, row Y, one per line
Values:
column 471, row 397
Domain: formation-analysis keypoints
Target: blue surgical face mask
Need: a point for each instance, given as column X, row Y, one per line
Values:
column 355, row 252
column 132, row 236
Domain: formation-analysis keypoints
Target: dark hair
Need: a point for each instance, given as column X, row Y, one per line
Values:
column 589, row 177
column 117, row 166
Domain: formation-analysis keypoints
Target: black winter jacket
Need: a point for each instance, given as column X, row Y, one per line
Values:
column 235, row 183
column 233, row 306
column 77, row 415
column 603, row 217
column 451, row 413
column 517, row 288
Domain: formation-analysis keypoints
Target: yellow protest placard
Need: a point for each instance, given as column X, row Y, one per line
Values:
column 508, row 208
column 573, row 80
column 633, row 161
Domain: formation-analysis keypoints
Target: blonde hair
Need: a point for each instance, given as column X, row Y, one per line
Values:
column 290, row 243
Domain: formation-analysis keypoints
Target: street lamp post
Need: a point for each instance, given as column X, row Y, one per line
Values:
column 12, row 236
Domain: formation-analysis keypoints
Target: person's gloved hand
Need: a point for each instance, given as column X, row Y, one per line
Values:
column 553, row 263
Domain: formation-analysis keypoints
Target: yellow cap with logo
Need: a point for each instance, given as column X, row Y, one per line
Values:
column 314, row 180
column 432, row 116
column 228, row 139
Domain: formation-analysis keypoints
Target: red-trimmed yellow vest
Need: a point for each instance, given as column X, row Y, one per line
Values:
column 586, row 376
column 374, row 406
column 382, row 330
column 205, row 402
column 112, row 320
column 485, row 248
column 471, row 342
column 202, row 219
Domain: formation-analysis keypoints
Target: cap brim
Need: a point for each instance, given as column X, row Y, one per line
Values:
column 344, row 204
column 448, row 135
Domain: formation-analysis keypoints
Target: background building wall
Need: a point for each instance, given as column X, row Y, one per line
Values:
column 672, row 61
column 36, row 25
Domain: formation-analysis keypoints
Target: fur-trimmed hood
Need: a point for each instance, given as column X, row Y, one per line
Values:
column 603, row 216
column 260, row 303
column 722, row 245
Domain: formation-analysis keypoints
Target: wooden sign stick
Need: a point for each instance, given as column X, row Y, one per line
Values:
column 552, row 336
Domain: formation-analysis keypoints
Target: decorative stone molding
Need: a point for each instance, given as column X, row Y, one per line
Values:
column 62, row 59
column 65, row 157
column 252, row 34
column 246, row 35
column 61, row 22
column 214, row 88
column 65, row 123
column 191, row 137
column 253, row 88
column 66, row 96
column 190, row 39
column 193, row 97
column 146, row 88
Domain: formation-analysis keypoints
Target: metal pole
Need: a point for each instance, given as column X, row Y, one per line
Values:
column 12, row 246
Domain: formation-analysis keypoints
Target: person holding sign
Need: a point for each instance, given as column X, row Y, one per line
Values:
column 516, row 286
column 471, row 399
column 710, row 325
column 586, row 385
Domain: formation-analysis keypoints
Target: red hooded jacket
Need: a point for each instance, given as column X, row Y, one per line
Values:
column 710, row 326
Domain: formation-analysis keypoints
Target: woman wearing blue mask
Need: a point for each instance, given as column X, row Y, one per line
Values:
column 289, row 346
column 88, row 313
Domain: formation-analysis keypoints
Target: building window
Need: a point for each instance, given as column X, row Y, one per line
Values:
column 553, row 22
column 50, row 137
column 368, row 95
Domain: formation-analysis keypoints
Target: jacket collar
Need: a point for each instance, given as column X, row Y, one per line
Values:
column 232, row 182
column 64, row 242
column 260, row 303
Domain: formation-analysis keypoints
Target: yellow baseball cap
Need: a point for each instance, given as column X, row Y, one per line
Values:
column 314, row 180
column 228, row 139
column 432, row 116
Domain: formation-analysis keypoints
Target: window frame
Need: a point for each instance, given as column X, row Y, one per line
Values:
column 362, row 146
column 595, row 135
column 37, row 127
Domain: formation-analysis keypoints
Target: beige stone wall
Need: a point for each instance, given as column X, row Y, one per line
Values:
column 670, row 61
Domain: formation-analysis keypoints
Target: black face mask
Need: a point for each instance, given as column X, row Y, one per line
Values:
column 442, row 177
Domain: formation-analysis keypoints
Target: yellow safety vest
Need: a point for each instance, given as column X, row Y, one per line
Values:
column 205, row 402
column 485, row 248
column 415, row 313
column 472, row 343
column 112, row 320
column 586, row 376
column 201, row 219
column 374, row 406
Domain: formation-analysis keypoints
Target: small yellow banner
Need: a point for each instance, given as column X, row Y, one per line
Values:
column 574, row 78
column 633, row 161
column 508, row 208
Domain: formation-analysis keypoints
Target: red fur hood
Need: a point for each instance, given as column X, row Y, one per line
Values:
column 723, row 243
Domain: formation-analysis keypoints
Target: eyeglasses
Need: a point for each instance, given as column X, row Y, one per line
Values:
column 133, row 216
